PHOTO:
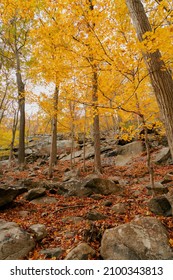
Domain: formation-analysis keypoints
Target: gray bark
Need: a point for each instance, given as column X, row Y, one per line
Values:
column 160, row 76
column 53, row 150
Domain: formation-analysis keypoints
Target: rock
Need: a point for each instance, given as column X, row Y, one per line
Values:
column 23, row 213
column 169, row 177
column 72, row 219
column 120, row 208
column 75, row 154
column 75, row 188
column 44, row 200
column 35, row 193
column 28, row 183
column 72, row 174
column 145, row 238
column 96, row 196
column 94, row 216
column 122, row 160
column 158, row 189
column 169, row 196
column 82, row 252
column 102, row 186
column 28, row 151
column 160, row 206
column 132, row 149
column 8, row 194
column 107, row 203
column 39, row 231
column 163, row 155
column 112, row 153
column 53, row 252
column 63, row 144
column 15, row 243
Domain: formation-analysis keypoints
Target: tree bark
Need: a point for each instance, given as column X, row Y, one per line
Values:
column 14, row 128
column 21, row 96
column 53, row 149
column 96, row 124
column 160, row 76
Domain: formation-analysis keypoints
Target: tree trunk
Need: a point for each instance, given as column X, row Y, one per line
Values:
column 96, row 125
column 160, row 76
column 14, row 128
column 21, row 96
column 53, row 149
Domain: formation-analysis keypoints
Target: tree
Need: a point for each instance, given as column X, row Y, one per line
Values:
column 160, row 75
column 15, row 26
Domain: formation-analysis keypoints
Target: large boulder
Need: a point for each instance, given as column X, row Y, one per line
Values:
column 102, row 186
column 133, row 148
column 8, row 194
column 91, row 185
column 145, row 238
column 15, row 243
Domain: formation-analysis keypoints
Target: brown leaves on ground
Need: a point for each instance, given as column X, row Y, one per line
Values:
column 66, row 221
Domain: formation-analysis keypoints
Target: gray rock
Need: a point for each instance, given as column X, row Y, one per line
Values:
column 131, row 149
column 8, row 194
column 160, row 206
column 94, row 216
column 102, row 186
column 107, row 203
column 35, row 193
column 122, row 160
column 15, row 243
column 145, row 238
column 120, row 208
column 158, row 189
column 163, row 155
column 39, row 231
column 53, row 252
column 72, row 219
column 44, row 200
column 82, row 252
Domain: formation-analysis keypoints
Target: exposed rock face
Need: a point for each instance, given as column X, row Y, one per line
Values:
column 145, row 238
column 15, row 244
column 82, row 252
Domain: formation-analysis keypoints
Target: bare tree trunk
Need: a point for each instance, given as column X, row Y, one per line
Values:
column 160, row 76
column 53, row 149
column 21, row 96
column 72, row 157
column 84, row 142
column 14, row 127
column 149, row 162
column 96, row 125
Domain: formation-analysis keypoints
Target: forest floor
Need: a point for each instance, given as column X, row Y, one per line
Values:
column 63, row 229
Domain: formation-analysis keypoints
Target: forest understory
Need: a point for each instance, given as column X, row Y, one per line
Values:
column 67, row 221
